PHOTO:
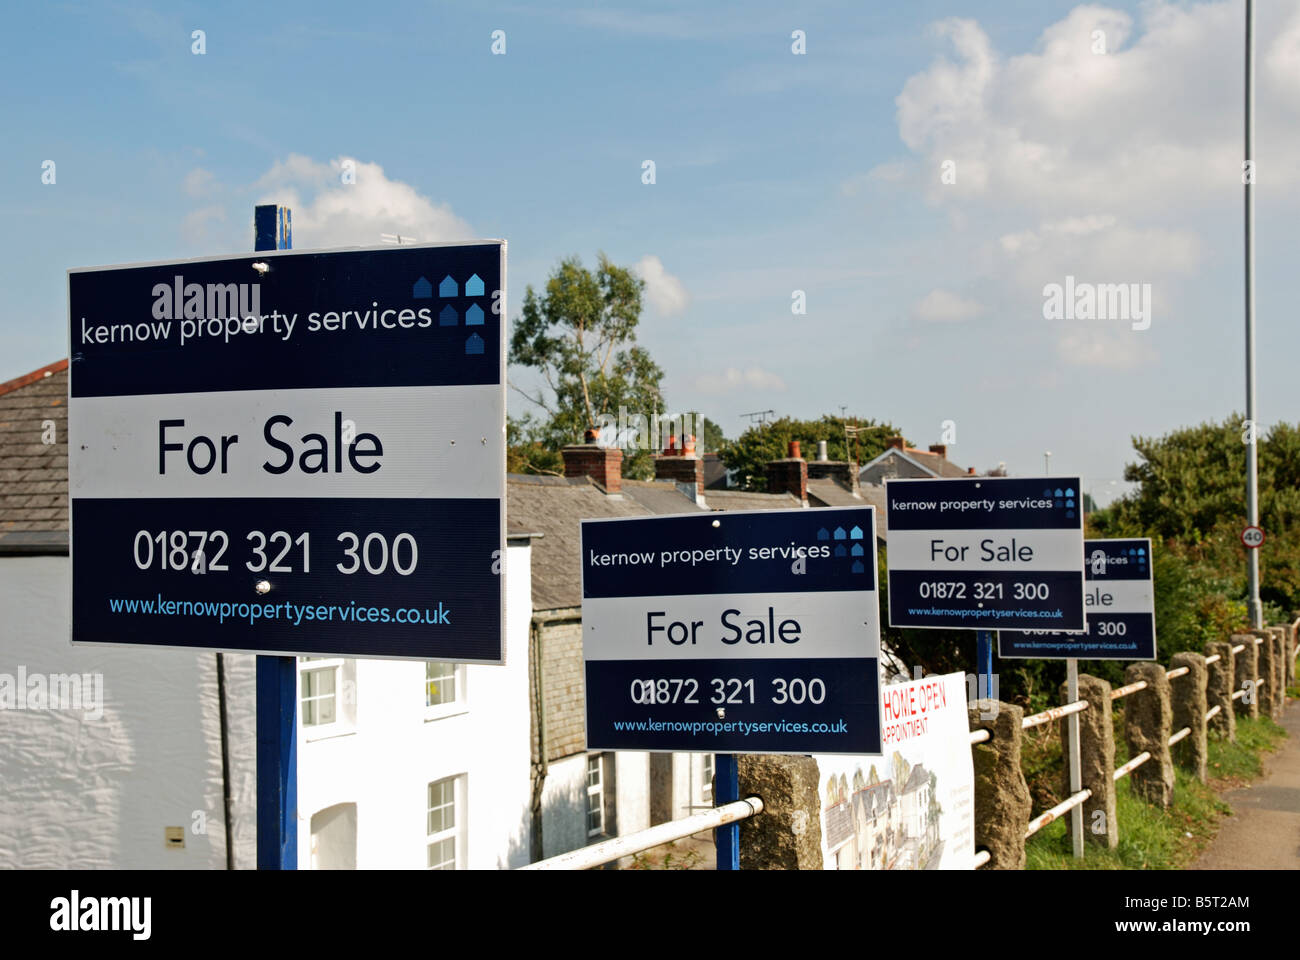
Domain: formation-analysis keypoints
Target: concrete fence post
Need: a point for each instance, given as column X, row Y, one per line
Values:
column 1147, row 720
column 1188, row 702
column 1289, row 636
column 1218, row 690
column 1278, row 635
column 787, row 835
column 1246, row 670
column 1267, row 674
column 1002, row 801
column 1097, row 760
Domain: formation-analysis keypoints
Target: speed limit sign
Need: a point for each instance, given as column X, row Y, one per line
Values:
column 1252, row 537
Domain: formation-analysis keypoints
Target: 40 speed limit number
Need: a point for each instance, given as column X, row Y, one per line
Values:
column 725, row 690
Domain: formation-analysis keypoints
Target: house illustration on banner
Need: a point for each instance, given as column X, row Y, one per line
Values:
column 876, row 825
column 448, row 287
column 474, row 286
column 422, row 289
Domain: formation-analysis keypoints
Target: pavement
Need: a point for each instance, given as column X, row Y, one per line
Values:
column 1264, row 831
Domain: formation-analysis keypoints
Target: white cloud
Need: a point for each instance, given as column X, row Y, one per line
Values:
column 941, row 306
column 198, row 226
column 1097, row 166
column 1059, row 127
column 199, row 182
column 731, row 379
column 664, row 291
column 328, row 212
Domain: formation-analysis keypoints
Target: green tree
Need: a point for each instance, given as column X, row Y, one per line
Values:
column 751, row 451
column 580, row 336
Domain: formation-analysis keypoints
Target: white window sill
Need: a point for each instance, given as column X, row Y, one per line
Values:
column 327, row 732
column 447, row 710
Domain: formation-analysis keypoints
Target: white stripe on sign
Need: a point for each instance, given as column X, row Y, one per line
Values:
column 1125, row 596
column 737, row 626
column 437, row 442
column 986, row 551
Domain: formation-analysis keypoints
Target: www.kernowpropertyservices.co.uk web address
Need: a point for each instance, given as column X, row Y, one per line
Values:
column 284, row 610
column 716, row 727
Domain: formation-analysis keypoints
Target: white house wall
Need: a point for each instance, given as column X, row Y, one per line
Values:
column 79, row 792
column 394, row 753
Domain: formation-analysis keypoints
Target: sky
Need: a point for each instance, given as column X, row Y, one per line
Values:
column 918, row 175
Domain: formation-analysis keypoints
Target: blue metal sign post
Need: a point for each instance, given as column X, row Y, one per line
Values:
column 277, row 677
column 726, row 770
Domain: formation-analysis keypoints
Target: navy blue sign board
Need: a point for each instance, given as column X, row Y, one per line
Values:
column 291, row 452
column 747, row 632
column 985, row 553
column 1120, row 607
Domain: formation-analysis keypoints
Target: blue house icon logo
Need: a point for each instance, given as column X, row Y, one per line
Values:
column 448, row 317
column 474, row 316
column 474, row 345
column 823, row 534
column 855, row 533
column 474, row 286
column 422, row 289
column 839, row 533
column 448, row 287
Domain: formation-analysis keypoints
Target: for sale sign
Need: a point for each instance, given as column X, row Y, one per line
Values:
column 985, row 553
column 1121, row 610
column 291, row 452
column 753, row 632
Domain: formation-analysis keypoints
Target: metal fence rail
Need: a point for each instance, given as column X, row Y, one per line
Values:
column 1043, row 819
column 585, row 858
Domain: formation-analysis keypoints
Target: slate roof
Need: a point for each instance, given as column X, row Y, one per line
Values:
column 837, row 821
column 34, row 475
column 745, row 500
column 555, row 507
column 931, row 462
column 831, row 493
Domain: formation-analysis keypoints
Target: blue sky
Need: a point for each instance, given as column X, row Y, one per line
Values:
column 775, row 172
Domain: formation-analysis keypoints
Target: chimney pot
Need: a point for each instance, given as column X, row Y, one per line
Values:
column 821, row 451
column 971, row 471
column 794, row 450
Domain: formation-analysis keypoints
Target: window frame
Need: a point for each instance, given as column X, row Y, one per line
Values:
column 344, row 721
column 456, row 832
column 597, row 791
column 438, row 711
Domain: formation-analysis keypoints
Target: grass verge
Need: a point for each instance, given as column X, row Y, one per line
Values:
column 1155, row 839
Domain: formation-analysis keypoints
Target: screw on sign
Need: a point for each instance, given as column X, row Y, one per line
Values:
column 1252, row 537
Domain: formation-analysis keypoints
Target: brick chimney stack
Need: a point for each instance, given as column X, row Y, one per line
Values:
column 602, row 464
column 789, row 475
column 681, row 464
column 895, row 442
column 940, row 448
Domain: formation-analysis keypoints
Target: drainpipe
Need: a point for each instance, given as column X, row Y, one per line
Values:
column 225, row 761
column 539, row 707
